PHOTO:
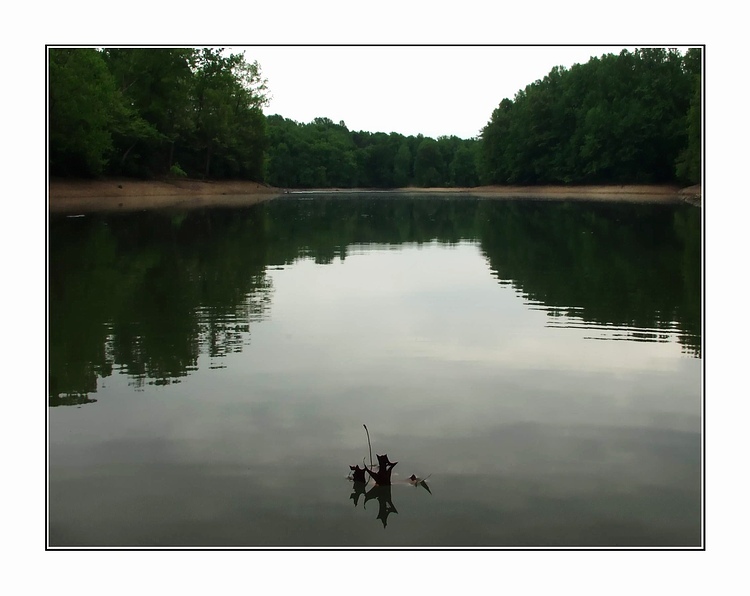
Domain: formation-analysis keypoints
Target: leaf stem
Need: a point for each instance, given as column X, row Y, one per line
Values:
column 368, row 443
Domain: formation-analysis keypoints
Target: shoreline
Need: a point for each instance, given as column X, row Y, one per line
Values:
column 86, row 196
column 89, row 196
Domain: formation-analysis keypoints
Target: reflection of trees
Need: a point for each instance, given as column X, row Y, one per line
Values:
column 78, row 311
column 72, row 399
column 629, row 265
column 323, row 228
column 148, row 293
column 635, row 266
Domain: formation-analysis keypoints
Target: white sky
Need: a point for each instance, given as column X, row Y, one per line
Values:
column 410, row 90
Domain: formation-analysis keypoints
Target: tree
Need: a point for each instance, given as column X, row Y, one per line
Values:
column 494, row 164
column 82, row 101
column 227, row 88
column 156, row 84
column 688, row 166
column 463, row 170
column 428, row 164
column 402, row 165
column 617, row 118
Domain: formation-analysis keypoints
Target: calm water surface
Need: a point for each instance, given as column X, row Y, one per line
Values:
column 210, row 373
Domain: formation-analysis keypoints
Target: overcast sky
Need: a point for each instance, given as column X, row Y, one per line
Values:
column 410, row 90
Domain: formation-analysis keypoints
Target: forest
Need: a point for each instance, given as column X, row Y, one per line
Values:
column 156, row 113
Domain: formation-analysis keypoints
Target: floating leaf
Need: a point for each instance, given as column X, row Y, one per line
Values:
column 383, row 474
column 381, row 491
column 359, row 474
column 416, row 481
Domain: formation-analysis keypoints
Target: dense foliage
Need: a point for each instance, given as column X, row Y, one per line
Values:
column 154, row 112
column 628, row 118
column 324, row 154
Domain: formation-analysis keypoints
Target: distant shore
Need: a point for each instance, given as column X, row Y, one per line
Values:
column 84, row 196
column 653, row 193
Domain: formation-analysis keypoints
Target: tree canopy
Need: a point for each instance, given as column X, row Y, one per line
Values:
column 616, row 119
column 148, row 112
column 634, row 117
column 323, row 154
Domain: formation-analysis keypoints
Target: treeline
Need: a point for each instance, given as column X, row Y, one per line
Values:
column 154, row 112
column 325, row 154
column 628, row 118
column 634, row 117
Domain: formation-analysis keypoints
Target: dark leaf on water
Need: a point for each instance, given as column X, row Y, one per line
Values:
column 358, row 474
column 383, row 475
column 415, row 481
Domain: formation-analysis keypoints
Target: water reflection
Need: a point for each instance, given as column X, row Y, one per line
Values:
column 147, row 294
column 380, row 490
column 380, row 493
column 618, row 269
column 154, row 296
column 294, row 323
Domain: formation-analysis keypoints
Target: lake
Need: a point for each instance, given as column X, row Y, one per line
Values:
column 536, row 363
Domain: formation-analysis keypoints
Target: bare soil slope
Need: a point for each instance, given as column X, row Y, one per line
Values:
column 103, row 195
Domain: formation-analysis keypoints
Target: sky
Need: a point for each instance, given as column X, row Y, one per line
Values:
column 434, row 91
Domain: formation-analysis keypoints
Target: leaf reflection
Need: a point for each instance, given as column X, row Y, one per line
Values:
column 381, row 491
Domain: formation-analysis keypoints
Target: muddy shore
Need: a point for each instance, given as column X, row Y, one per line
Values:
column 70, row 196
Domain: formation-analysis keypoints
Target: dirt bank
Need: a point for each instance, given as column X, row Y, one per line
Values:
column 692, row 195
column 632, row 193
column 69, row 196
column 81, row 196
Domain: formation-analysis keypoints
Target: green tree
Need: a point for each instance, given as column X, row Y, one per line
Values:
column 402, row 166
column 156, row 84
column 688, row 167
column 323, row 153
column 463, row 171
column 229, row 94
column 428, row 164
column 138, row 111
column 617, row 118
column 82, row 102
column 494, row 163
column 278, row 166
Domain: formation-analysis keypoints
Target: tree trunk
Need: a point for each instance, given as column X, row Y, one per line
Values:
column 125, row 155
column 208, row 161
column 170, row 159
